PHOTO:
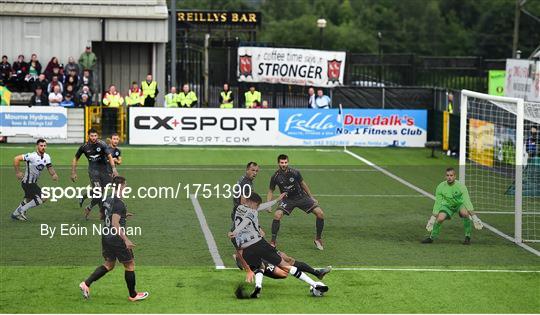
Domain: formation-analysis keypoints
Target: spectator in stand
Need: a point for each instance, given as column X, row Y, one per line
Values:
column 112, row 98
column 55, row 97
column 72, row 79
column 68, row 101
column 5, row 94
column 86, row 79
column 50, row 66
column 226, row 97
column 171, row 99
column 41, row 82
column 187, row 98
column 88, row 60
column 54, row 82
column 265, row 104
column 5, row 69
column 150, row 91
column 72, row 65
column 20, row 70
column 84, row 100
column 34, row 69
column 39, row 99
column 56, row 72
column 311, row 97
column 69, row 89
column 253, row 97
column 322, row 101
column 135, row 95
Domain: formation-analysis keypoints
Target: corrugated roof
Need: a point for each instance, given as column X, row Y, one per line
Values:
column 129, row 9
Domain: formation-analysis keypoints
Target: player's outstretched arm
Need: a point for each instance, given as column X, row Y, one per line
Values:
column 268, row 205
column 16, row 164
column 118, row 160
column 478, row 224
column 74, row 168
column 306, row 189
column 113, row 166
column 270, row 195
column 430, row 223
column 52, row 172
column 115, row 221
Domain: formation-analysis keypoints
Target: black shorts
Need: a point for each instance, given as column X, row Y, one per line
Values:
column 100, row 178
column 306, row 203
column 116, row 249
column 269, row 271
column 262, row 250
column 31, row 190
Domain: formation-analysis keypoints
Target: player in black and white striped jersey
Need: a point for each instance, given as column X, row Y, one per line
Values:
column 35, row 163
column 255, row 249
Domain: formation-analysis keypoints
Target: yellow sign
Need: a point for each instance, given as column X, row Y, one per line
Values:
column 481, row 141
column 446, row 130
column 496, row 81
column 213, row 17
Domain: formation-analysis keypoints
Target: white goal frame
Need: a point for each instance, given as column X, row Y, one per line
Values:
column 518, row 206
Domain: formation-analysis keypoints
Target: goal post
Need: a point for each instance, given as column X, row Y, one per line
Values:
column 496, row 161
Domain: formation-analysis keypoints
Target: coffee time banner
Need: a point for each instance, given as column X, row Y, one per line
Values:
column 304, row 67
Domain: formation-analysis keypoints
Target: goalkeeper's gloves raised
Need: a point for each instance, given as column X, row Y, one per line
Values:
column 476, row 221
column 430, row 223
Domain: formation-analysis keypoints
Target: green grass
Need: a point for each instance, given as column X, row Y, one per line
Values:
column 40, row 275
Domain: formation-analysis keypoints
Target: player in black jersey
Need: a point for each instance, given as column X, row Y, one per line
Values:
column 114, row 149
column 290, row 181
column 101, row 166
column 115, row 244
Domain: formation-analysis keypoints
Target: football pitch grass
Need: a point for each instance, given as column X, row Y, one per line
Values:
column 373, row 228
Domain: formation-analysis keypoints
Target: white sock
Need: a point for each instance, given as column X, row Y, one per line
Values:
column 31, row 204
column 258, row 278
column 16, row 212
column 302, row 276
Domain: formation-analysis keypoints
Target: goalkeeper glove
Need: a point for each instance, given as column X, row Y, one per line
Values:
column 476, row 221
column 430, row 223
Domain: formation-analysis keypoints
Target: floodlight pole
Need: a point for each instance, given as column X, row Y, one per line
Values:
column 173, row 43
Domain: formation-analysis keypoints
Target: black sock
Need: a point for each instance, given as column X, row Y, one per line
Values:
column 275, row 229
column 320, row 226
column 94, row 202
column 98, row 273
column 130, row 282
column 302, row 266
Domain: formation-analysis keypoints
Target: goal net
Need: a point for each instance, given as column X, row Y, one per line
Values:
column 500, row 162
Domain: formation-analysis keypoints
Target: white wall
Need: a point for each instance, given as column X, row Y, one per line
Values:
column 47, row 37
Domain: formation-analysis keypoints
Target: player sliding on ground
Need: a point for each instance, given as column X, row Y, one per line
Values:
column 276, row 272
column 255, row 248
column 451, row 197
column 291, row 182
column 115, row 244
column 35, row 163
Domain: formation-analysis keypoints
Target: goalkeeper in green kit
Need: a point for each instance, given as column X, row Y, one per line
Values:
column 452, row 197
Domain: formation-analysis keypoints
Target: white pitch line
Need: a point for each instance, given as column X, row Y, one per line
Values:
column 425, row 193
column 507, row 212
column 180, row 147
column 372, row 196
column 212, row 246
column 424, row 270
column 195, row 169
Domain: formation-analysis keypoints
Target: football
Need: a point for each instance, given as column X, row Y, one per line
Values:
column 315, row 292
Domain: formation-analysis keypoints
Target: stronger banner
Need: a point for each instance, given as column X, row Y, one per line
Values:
column 304, row 67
